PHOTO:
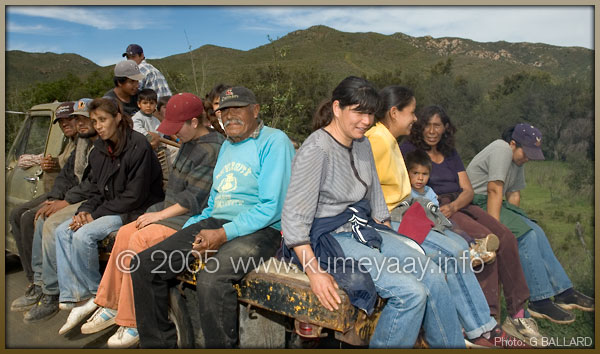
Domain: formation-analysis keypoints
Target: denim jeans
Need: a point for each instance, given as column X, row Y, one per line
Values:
column 36, row 252
column 43, row 261
column 77, row 257
column 450, row 252
column 416, row 291
column 544, row 273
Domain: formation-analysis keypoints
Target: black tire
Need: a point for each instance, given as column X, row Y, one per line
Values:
column 178, row 314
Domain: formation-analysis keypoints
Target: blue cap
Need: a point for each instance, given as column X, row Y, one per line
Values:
column 530, row 139
column 133, row 49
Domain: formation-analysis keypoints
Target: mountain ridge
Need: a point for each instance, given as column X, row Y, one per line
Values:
column 326, row 49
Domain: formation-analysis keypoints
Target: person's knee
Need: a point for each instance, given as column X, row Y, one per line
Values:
column 435, row 279
column 82, row 239
column 213, row 276
column 28, row 216
column 15, row 216
column 410, row 294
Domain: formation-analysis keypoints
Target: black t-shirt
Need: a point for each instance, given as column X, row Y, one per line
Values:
column 130, row 107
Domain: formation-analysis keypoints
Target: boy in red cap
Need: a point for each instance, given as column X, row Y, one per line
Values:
column 186, row 195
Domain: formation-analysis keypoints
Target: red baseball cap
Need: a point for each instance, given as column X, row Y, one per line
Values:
column 180, row 108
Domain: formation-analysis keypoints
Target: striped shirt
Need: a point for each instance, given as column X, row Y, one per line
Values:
column 327, row 177
column 153, row 79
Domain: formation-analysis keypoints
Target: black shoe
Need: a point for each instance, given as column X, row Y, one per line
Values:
column 575, row 300
column 44, row 309
column 31, row 297
column 550, row 311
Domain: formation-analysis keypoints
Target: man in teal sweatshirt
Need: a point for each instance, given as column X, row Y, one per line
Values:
column 240, row 225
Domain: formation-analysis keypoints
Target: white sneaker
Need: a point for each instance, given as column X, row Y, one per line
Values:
column 101, row 319
column 66, row 305
column 77, row 315
column 525, row 329
column 124, row 338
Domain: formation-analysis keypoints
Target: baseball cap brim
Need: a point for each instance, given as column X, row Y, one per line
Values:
column 80, row 113
column 69, row 116
column 136, row 77
column 533, row 153
column 169, row 127
column 230, row 104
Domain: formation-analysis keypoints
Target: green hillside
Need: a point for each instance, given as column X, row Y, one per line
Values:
column 336, row 53
column 24, row 69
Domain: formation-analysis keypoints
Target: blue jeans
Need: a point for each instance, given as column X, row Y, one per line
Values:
column 43, row 261
column 450, row 252
column 77, row 257
column 416, row 291
column 36, row 252
column 543, row 272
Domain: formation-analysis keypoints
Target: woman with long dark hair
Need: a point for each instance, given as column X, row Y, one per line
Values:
column 125, row 179
column 433, row 132
column 335, row 208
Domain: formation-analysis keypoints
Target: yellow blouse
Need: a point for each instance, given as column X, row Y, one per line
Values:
column 389, row 164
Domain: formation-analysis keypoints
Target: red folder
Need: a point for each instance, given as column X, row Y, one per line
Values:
column 415, row 223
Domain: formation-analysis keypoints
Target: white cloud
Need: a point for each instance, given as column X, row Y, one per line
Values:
column 12, row 27
column 557, row 25
column 33, row 48
column 83, row 15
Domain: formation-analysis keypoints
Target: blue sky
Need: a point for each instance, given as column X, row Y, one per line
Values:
column 101, row 33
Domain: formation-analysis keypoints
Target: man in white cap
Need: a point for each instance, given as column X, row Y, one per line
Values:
column 153, row 79
column 126, row 79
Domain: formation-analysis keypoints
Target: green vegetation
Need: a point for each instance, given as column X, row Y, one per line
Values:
column 567, row 217
column 485, row 87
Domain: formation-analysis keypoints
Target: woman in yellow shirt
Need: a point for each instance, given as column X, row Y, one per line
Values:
column 394, row 119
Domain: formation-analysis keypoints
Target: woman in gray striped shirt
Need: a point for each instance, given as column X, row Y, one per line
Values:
column 332, row 173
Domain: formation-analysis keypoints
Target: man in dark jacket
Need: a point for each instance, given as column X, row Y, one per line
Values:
column 22, row 217
column 63, row 200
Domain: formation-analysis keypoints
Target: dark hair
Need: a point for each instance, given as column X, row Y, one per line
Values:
column 119, row 80
column 162, row 101
column 147, row 94
column 112, row 107
column 417, row 157
column 507, row 136
column 351, row 91
column 216, row 91
column 208, row 108
column 446, row 144
column 393, row 96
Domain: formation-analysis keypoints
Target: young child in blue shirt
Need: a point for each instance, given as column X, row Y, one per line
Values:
column 418, row 164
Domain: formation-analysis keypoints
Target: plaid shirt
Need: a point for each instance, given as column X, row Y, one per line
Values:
column 153, row 79
column 254, row 134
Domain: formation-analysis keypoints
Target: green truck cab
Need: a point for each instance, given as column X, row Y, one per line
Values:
column 37, row 135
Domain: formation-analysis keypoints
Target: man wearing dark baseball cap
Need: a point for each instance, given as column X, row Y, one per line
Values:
column 496, row 172
column 153, row 78
column 68, row 126
column 241, row 223
column 126, row 79
column 53, row 205
column 530, row 140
